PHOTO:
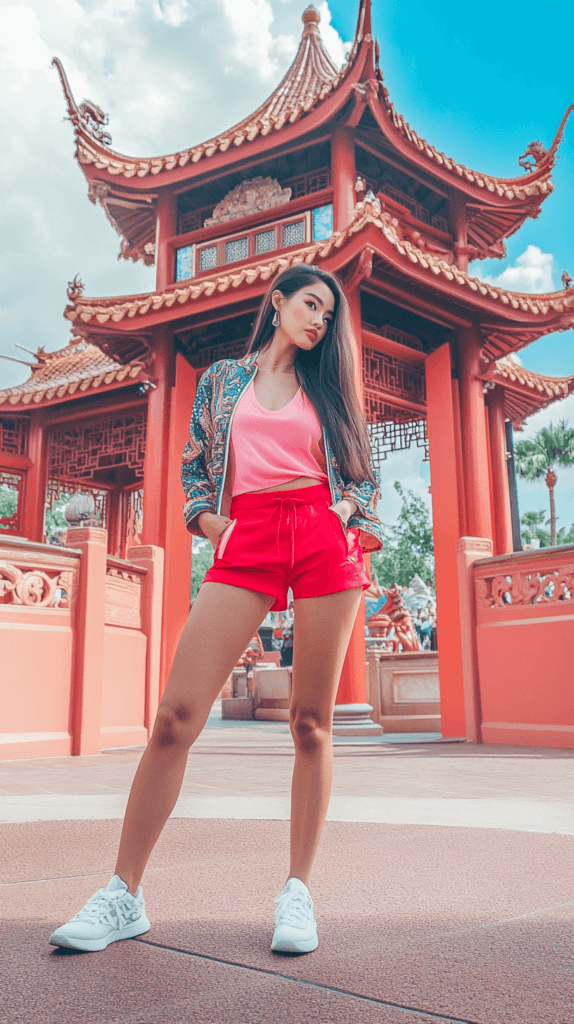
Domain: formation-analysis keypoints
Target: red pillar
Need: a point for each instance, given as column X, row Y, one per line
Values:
column 447, row 506
column 169, row 411
column 352, row 713
column 157, row 439
column 33, row 524
column 343, row 177
column 474, row 439
column 459, row 218
column 501, row 493
column 89, row 639
column 166, row 227
column 177, row 590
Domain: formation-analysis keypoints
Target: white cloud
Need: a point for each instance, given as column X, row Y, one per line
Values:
column 20, row 38
column 254, row 45
column 173, row 12
column 336, row 48
column 531, row 272
column 156, row 66
column 408, row 467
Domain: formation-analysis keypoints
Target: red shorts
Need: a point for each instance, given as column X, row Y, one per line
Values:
column 284, row 539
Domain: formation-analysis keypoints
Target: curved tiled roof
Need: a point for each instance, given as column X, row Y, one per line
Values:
column 114, row 310
column 311, row 78
column 75, row 369
column 526, row 392
column 546, row 387
column 522, row 187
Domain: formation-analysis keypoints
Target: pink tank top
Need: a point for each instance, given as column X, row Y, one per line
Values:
column 272, row 447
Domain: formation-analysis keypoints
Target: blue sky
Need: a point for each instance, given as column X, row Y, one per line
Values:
column 479, row 83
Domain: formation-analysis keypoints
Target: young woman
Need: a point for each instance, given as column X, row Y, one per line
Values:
column 278, row 477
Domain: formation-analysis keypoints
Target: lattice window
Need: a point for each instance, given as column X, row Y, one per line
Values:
column 265, row 241
column 77, row 452
column 236, row 249
column 393, row 437
column 294, row 233
column 305, row 184
column 14, row 434
column 208, row 258
column 212, row 354
column 133, row 513
column 389, row 375
column 11, row 501
column 58, row 494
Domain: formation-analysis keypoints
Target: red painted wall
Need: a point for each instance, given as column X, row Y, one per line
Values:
column 524, row 649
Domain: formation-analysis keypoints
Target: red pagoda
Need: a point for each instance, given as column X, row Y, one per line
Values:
column 325, row 171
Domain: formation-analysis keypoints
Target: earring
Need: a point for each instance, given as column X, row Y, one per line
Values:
column 276, row 321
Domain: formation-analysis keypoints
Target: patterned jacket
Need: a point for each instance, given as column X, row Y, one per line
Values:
column 205, row 455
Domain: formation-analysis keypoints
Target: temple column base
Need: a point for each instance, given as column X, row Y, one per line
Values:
column 355, row 720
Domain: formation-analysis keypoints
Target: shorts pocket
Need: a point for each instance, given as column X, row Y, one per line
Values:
column 224, row 538
column 341, row 528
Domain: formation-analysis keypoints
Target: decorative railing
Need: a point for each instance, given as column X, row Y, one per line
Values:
column 124, row 593
column 530, row 578
column 37, row 575
column 418, row 211
column 299, row 229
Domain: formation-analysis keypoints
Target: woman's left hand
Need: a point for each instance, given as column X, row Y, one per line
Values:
column 344, row 509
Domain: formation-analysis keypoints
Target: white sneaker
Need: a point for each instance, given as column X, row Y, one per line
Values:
column 296, row 930
column 111, row 914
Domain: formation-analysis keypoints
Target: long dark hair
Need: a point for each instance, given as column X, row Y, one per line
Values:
column 327, row 372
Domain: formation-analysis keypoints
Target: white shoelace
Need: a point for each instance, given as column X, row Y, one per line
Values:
column 295, row 909
column 110, row 907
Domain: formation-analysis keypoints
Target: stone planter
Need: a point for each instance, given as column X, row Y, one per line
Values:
column 271, row 693
column 404, row 691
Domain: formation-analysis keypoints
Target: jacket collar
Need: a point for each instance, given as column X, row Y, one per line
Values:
column 249, row 359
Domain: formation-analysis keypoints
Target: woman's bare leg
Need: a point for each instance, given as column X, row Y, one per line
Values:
column 323, row 627
column 220, row 625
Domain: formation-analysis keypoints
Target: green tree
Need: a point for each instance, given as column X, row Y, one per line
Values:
column 201, row 560
column 533, row 528
column 8, row 502
column 409, row 548
column 553, row 446
column 55, row 518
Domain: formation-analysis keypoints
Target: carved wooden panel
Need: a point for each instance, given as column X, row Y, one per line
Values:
column 123, row 598
column 527, row 587
column 37, row 588
column 14, row 434
column 77, row 452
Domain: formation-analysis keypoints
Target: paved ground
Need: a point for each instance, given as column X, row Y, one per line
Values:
column 443, row 888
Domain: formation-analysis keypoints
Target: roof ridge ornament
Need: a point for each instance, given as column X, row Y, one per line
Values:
column 310, row 19
column 75, row 289
column 88, row 116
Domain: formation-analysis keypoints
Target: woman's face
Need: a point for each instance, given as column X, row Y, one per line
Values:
column 306, row 315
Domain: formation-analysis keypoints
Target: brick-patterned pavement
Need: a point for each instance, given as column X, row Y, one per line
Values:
column 443, row 887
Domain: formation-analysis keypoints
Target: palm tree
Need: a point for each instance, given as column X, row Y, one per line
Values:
column 553, row 446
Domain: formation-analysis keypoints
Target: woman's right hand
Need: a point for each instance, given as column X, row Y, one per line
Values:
column 212, row 526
